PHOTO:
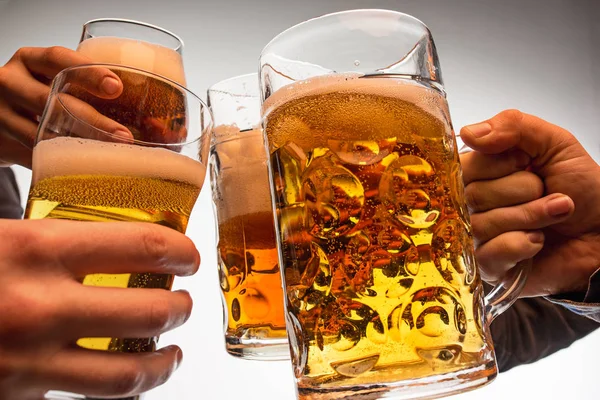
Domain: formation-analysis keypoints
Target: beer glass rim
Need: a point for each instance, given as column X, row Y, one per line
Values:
column 216, row 87
column 135, row 22
column 324, row 17
column 65, row 71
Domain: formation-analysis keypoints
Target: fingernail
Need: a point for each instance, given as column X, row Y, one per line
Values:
column 480, row 130
column 559, row 206
column 110, row 85
column 179, row 358
column 123, row 134
column 535, row 237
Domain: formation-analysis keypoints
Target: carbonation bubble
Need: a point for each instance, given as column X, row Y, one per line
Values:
column 234, row 268
column 235, row 309
column 361, row 152
column 356, row 367
column 334, row 198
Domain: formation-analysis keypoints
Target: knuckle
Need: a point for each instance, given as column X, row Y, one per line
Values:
column 528, row 215
column 159, row 317
column 52, row 54
column 41, row 99
column 129, row 380
column 4, row 76
column 512, row 116
column 155, row 244
column 537, row 185
column 20, row 53
column 472, row 197
column 27, row 314
column 481, row 228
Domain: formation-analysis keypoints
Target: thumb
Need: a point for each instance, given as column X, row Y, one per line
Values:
column 541, row 140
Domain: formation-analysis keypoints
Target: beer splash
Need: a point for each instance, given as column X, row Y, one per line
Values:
column 376, row 248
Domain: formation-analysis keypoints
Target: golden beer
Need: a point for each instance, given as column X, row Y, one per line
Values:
column 246, row 250
column 88, row 180
column 381, row 284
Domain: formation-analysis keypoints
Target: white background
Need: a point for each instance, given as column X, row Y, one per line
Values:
column 540, row 56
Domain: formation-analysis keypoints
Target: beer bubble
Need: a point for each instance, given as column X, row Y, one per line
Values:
column 235, row 309
column 359, row 152
column 355, row 367
column 433, row 321
column 460, row 319
column 334, row 198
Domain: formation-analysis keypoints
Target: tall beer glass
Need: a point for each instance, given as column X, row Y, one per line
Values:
column 138, row 157
column 383, row 296
column 249, row 275
column 134, row 44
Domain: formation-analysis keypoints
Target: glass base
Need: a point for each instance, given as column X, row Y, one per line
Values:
column 258, row 349
column 53, row 395
column 432, row 387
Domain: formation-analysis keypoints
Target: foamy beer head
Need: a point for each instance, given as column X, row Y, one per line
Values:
column 312, row 113
column 134, row 44
column 65, row 156
column 135, row 53
column 240, row 180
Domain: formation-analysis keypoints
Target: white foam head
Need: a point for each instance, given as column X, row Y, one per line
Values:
column 426, row 98
column 66, row 156
column 137, row 54
column 243, row 175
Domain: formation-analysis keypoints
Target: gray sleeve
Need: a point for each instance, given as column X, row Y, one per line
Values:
column 10, row 201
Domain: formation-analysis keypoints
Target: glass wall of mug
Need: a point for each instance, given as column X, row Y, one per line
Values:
column 383, row 297
column 137, row 156
column 252, row 295
column 134, row 44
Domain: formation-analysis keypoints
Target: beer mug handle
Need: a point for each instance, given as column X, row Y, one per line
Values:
column 507, row 291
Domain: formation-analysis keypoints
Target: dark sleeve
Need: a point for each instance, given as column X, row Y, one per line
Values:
column 586, row 303
column 534, row 328
column 10, row 201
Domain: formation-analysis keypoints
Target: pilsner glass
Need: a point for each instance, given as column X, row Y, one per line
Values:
column 383, row 297
column 138, row 157
column 134, row 44
column 249, row 275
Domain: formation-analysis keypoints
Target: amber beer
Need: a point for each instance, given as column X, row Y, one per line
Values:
column 377, row 252
column 247, row 250
column 89, row 180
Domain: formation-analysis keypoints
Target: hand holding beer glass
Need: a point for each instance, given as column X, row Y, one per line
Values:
column 383, row 297
column 149, row 166
column 246, row 251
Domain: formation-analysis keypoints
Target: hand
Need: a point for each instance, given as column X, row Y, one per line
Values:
column 533, row 191
column 24, row 90
column 44, row 308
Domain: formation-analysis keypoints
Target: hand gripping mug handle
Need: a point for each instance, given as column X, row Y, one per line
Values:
column 507, row 291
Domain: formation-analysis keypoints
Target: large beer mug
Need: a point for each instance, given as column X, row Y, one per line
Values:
column 134, row 44
column 249, row 276
column 140, row 156
column 383, row 297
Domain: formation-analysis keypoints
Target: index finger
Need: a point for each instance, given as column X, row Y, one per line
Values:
column 509, row 129
column 478, row 166
column 50, row 61
column 84, row 248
